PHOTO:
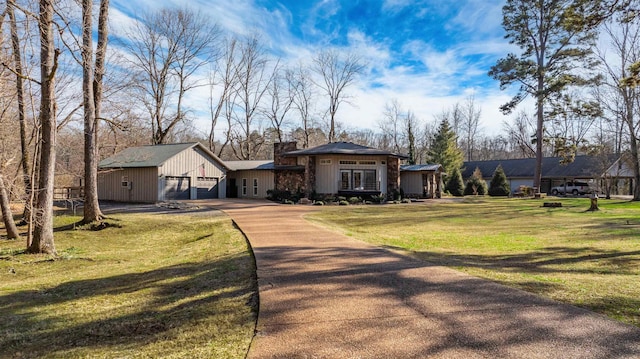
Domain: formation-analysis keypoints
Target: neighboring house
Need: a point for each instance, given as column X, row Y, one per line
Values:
column 161, row 173
column 249, row 179
column 423, row 181
column 520, row 172
column 338, row 168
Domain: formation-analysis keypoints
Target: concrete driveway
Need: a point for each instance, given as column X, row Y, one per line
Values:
column 325, row 295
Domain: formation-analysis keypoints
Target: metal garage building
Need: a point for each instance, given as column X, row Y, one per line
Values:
column 162, row 173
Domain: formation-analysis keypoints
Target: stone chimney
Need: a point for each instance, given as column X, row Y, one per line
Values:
column 280, row 148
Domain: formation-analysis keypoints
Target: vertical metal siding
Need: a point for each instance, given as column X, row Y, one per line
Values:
column 411, row 183
column 265, row 182
column 193, row 163
column 144, row 185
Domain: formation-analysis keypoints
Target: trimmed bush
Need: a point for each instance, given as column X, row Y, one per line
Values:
column 455, row 184
column 499, row 185
column 476, row 185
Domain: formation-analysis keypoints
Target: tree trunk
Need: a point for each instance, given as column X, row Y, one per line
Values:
column 17, row 63
column 7, row 216
column 43, row 229
column 92, row 89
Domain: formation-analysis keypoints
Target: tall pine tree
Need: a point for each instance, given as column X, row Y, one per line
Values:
column 554, row 37
column 444, row 149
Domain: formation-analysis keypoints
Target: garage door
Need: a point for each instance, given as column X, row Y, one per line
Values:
column 207, row 187
column 176, row 188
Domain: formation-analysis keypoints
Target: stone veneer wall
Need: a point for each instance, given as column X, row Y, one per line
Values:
column 393, row 176
column 287, row 179
column 280, row 148
column 310, row 176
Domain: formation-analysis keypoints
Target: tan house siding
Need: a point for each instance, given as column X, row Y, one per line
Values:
column 411, row 183
column 192, row 163
column 328, row 171
column 145, row 181
column 265, row 182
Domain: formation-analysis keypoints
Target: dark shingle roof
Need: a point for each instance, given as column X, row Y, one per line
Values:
column 419, row 168
column 342, row 148
column 150, row 155
column 250, row 165
column 581, row 167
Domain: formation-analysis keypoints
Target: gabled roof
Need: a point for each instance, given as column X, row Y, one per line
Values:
column 420, row 168
column 343, row 148
column 151, row 155
column 250, row 165
column 581, row 167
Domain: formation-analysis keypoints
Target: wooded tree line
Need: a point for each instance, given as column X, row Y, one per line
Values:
column 68, row 101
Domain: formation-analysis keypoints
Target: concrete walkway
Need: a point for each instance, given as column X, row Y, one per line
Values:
column 325, row 295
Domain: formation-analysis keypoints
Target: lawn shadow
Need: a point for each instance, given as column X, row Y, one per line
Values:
column 181, row 296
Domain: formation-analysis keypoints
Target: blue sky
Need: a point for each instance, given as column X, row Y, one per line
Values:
column 428, row 54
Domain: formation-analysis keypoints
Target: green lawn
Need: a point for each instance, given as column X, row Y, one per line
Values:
column 152, row 285
column 590, row 259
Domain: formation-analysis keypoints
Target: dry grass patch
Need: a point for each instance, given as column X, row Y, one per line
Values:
column 590, row 259
column 152, row 285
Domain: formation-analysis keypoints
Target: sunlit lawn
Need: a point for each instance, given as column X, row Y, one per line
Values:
column 590, row 259
column 154, row 285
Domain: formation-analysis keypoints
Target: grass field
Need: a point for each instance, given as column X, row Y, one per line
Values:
column 590, row 259
column 152, row 285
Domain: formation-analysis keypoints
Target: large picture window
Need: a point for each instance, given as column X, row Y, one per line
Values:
column 358, row 180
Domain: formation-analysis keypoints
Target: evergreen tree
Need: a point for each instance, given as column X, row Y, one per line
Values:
column 554, row 37
column 476, row 185
column 455, row 184
column 444, row 149
column 499, row 185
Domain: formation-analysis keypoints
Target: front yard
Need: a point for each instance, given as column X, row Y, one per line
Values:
column 590, row 259
column 152, row 285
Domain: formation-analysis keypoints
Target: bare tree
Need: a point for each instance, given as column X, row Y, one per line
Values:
column 623, row 102
column 43, row 241
column 392, row 123
column 223, row 79
column 254, row 78
column 92, row 94
column 470, row 117
column 17, row 65
column 303, row 102
column 521, row 134
column 336, row 74
column 170, row 47
column 281, row 93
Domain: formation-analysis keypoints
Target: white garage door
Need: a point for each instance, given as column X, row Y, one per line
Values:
column 176, row 188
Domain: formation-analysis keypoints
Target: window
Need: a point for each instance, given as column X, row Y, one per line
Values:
column 358, row 180
column 124, row 182
column 244, row 186
column 325, row 161
column 345, row 180
column 255, row 186
column 367, row 163
column 345, row 162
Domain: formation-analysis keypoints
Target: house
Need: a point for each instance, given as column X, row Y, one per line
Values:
column 249, row 179
column 161, row 173
column 520, row 172
column 337, row 168
column 422, row 181
column 191, row 171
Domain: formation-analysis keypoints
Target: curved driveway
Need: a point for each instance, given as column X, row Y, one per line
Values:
column 325, row 295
